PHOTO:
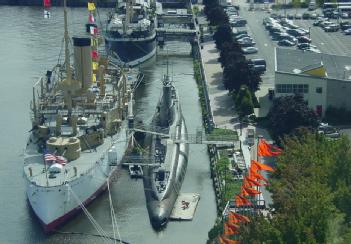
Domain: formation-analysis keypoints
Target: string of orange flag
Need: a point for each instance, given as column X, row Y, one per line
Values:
column 253, row 179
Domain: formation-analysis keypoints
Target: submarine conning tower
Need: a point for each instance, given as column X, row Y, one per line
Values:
column 166, row 103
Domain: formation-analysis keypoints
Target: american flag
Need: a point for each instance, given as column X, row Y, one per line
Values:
column 61, row 160
column 49, row 157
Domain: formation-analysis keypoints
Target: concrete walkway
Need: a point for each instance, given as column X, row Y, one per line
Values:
column 221, row 103
column 222, row 106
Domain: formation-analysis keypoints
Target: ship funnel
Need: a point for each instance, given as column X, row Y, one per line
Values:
column 82, row 61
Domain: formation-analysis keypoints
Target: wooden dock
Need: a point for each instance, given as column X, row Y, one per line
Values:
column 185, row 206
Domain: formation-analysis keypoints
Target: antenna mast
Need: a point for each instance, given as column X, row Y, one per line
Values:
column 67, row 59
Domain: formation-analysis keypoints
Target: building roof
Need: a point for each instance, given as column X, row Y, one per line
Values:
column 297, row 62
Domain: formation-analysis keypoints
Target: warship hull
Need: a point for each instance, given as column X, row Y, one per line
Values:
column 132, row 51
column 55, row 205
column 44, row 217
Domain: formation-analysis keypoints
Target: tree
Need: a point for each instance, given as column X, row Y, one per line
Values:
column 230, row 52
column 217, row 16
column 222, row 35
column 289, row 113
column 243, row 101
column 305, row 195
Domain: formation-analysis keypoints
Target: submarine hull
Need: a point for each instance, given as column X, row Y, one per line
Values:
column 160, row 208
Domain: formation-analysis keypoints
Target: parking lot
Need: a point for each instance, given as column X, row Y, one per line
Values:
column 327, row 42
column 336, row 43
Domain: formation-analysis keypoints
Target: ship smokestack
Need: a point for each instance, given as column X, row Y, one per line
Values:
column 83, row 61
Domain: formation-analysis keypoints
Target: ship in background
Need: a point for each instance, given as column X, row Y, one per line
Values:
column 80, row 118
column 130, row 34
column 163, row 180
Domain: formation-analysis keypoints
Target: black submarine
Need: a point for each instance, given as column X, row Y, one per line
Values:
column 163, row 179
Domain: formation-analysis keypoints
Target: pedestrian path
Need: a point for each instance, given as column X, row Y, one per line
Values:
column 221, row 102
column 223, row 110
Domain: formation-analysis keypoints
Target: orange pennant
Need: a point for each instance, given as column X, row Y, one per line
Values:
column 254, row 174
column 252, row 192
column 242, row 201
column 261, row 166
column 240, row 217
column 224, row 240
column 252, row 181
column 229, row 231
column 267, row 150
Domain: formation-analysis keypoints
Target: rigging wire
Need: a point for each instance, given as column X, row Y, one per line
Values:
column 113, row 215
column 97, row 227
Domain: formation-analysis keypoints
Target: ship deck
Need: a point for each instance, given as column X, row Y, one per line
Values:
column 84, row 164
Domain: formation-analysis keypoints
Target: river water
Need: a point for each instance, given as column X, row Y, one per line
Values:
column 29, row 45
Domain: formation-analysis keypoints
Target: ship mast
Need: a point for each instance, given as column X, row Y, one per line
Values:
column 67, row 59
column 129, row 13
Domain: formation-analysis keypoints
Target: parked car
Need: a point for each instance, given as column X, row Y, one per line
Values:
column 304, row 39
column 256, row 61
column 325, row 23
column 249, row 50
column 291, row 38
column 345, row 25
column 240, row 36
column 344, row 15
column 298, row 16
column 313, row 49
column 296, row 32
column 258, row 68
column 274, row 16
column 282, row 36
column 306, row 15
column 247, row 43
column 313, row 16
column 286, row 43
column 331, row 28
column 347, row 32
column 276, row 36
column 304, row 46
column 290, row 16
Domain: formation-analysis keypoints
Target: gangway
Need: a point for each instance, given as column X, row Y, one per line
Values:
column 198, row 138
column 175, row 34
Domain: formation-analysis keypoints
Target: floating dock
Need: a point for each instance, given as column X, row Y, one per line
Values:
column 185, row 206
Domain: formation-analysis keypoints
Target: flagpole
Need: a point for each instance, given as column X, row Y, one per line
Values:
column 46, row 171
column 257, row 159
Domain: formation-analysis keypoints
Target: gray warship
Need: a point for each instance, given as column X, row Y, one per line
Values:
column 163, row 179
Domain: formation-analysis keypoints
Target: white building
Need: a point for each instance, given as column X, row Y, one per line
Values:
column 323, row 79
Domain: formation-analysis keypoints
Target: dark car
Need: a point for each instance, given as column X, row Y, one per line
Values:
column 347, row 32
column 304, row 46
column 290, row 16
column 286, row 43
column 258, row 68
column 304, row 39
column 256, row 61
column 296, row 32
column 344, row 25
column 305, row 15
